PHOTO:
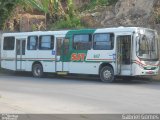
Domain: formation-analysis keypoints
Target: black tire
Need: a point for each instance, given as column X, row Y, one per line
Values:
column 37, row 70
column 107, row 74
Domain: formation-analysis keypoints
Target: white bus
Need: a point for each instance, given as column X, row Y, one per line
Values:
column 107, row 52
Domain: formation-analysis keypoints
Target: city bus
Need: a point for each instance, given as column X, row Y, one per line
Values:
column 106, row 52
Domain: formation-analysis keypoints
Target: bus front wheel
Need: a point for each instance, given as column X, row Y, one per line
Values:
column 107, row 74
column 37, row 70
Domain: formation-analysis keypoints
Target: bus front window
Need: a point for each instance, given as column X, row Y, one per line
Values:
column 148, row 46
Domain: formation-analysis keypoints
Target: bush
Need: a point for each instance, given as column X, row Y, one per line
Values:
column 93, row 3
column 67, row 24
column 70, row 21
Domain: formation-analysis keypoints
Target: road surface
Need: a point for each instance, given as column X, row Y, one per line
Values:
column 25, row 94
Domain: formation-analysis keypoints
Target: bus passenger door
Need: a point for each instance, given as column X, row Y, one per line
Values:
column 20, row 52
column 124, row 55
column 119, row 56
column 62, row 51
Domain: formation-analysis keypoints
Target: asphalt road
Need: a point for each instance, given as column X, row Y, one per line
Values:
column 25, row 94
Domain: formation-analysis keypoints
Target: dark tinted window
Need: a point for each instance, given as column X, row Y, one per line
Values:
column 46, row 42
column 59, row 46
column 103, row 41
column 32, row 42
column 82, row 42
column 66, row 46
column 8, row 43
column 21, row 46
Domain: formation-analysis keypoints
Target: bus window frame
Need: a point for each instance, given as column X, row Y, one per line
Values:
column 13, row 44
column 29, row 42
column 90, row 38
column 104, row 33
column 39, row 42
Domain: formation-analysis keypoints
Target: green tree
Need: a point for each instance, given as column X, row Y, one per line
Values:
column 6, row 8
column 70, row 8
column 54, row 9
column 51, row 8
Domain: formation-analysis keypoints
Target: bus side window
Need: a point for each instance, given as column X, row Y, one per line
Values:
column 82, row 42
column 8, row 43
column 32, row 42
column 103, row 41
column 46, row 42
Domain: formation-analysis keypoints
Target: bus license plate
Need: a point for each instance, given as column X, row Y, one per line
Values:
column 150, row 72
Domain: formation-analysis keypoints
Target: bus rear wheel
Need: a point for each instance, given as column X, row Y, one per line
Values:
column 37, row 70
column 107, row 74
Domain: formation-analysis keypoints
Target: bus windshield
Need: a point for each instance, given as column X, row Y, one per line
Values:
column 148, row 46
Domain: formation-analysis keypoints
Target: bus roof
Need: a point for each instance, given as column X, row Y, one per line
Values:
column 63, row 32
column 35, row 33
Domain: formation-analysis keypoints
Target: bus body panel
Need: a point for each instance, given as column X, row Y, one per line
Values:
column 67, row 57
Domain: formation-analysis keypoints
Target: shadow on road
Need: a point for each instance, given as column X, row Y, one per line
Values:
column 82, row 78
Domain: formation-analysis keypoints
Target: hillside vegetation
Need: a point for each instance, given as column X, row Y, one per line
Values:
column 66, row 14
column 59, row 14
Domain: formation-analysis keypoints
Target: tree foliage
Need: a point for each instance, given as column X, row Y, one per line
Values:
column 6, row 7
column 93, row 3
column 53, row 8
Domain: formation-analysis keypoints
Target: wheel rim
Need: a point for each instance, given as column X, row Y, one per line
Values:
column 37, row 71
column 107, row 74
